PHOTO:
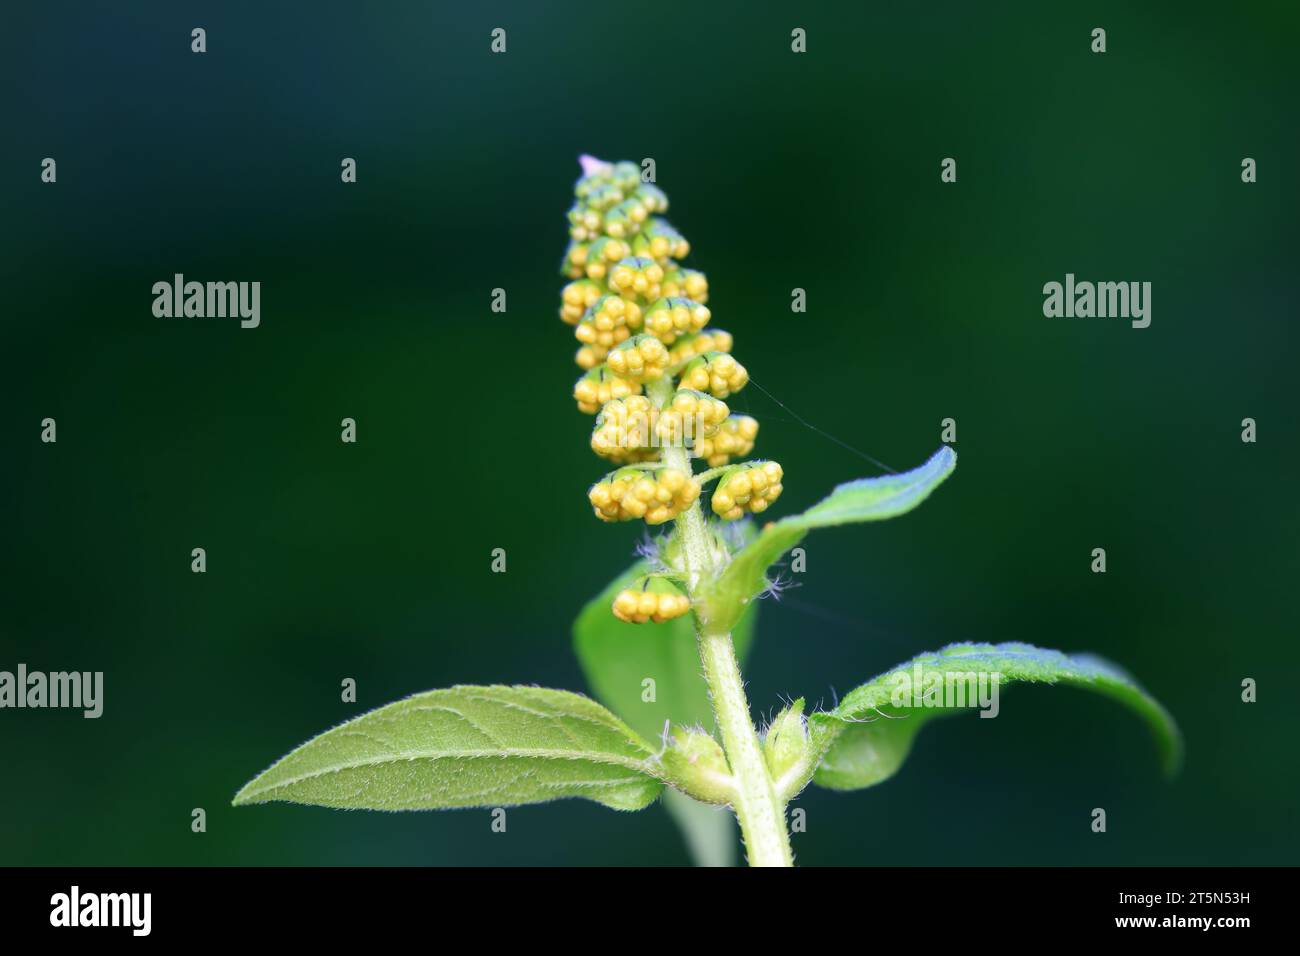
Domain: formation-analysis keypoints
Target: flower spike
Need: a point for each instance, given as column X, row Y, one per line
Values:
column 657, row 374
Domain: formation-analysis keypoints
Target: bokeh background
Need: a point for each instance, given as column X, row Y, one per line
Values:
column 821, row 171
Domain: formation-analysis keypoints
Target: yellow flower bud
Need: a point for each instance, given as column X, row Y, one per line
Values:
column 690, row 417
column 686, row 282
column 654, row 599
column 610, row 320
column 607, row 314
column 750, row 487
column 577, row 298
column 659, row 240
column 622, row 495
column 624, row 430
column 575, row 260
column 675, row 492
column 632, row 492
column 651, row 198
column 642, row 358
column 599, row 386
column 625, row 219
column 596, row 344
column 637, row 276
column 599, row 194
column 602, row 254
column 714, row 372
column 585, row 222
column 668, row 319
column 735, row 439
column 690, row 346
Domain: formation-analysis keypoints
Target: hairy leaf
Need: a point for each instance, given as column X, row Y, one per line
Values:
column 868, row 736
column 867, row 499
column 468, row 747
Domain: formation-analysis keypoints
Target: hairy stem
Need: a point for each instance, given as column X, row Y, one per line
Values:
column 759, row 810
column 707, row 476
column 758, row 807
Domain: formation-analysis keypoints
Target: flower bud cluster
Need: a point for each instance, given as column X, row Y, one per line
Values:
column 690, row 417
column 716, row 373
column 653, row 599
column 625, row 430
column 630, row 493
column 642, row 358
column 599, row 386
column 750, row 487
column 688, row 347
column 657, row 375
column 735, row 439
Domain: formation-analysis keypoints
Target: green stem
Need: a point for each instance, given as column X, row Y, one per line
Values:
column 758, row 807
column 759, row 810
column 706, row 476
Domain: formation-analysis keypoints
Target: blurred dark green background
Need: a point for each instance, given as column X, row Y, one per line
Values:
column 821, row 171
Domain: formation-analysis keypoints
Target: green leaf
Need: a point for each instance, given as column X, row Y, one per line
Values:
column 867, row 499
column 868, row 736
column 617, row 657
column 468, row 747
